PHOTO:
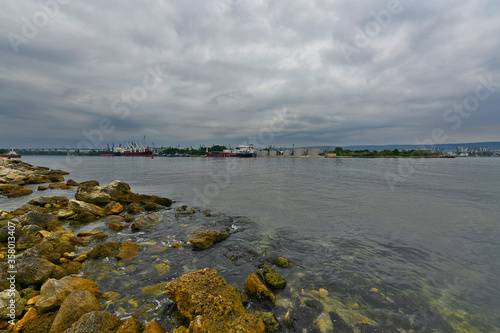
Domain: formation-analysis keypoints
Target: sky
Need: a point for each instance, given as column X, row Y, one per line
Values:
column 303, row 73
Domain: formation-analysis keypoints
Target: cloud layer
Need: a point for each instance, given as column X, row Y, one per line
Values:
column 224, row 71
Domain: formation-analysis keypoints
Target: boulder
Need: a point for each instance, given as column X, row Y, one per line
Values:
column 131, row 325
column 59, row 172
column 60, row 185
column 72, row 308
column 57, row 237
column 42, row 201
column 89, row 183
column 30, row 314
column 154, row 327
column 271, row 278
column 116, row 191
column 5, row 234
column 43, row 220
column 9, row 310
column 85, row 217
column 204, row 238
column 128, row 251
column 27, row 241
column 210, row 304
column 139, row 224
column 24, row 209
column 40, row 324
column 134, row 208
column 113, row 207
column 283, row 263
column 256, row 288
column 79, row 207
column 71, row 182
column 107, row 249
column 52, row 295
column 117, row 226
column 96, row 321
column 269, row 319
column 33, row 270
column 77, row 283
column 71, row 267
column 64, row 213
column 17, row 191
column 42, row 188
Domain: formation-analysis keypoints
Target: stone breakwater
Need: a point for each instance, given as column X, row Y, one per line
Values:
column 41, row 258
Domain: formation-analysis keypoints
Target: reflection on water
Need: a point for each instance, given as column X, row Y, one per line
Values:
column 424, row 257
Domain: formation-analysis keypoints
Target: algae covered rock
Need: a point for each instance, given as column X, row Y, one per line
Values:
column 283, row 263
column 210, row 304
column 269, row 319
column 89, row 183
column 271, row 278
column 131, row 325
column 258, row 289
column 204, row 238
column 113, row 207
column 42, row 201
column 43, row 220
column 107, row 249
column 96, row 321
column 128, row 251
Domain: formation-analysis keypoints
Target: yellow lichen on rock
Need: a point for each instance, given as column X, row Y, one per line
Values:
column 210, row 304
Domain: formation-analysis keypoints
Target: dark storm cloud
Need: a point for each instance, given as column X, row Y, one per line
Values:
column 192, row 72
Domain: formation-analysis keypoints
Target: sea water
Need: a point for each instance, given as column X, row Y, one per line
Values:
column 409, row 244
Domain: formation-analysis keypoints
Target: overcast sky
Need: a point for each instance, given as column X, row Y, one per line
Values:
column 302, row 72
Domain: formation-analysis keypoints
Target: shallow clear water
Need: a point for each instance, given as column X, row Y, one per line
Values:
column 409, row 244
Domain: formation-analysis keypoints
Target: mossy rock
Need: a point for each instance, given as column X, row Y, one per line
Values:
column 271, row 278
column 269, row 319
column 283, row 263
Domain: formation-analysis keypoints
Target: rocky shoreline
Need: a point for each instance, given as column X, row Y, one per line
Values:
column 41, row 257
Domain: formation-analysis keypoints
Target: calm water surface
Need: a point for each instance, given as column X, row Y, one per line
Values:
column 422, row 254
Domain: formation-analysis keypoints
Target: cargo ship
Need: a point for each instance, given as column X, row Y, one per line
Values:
column 240, row 151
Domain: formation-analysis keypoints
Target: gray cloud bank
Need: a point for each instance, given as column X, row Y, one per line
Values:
column 203, row 72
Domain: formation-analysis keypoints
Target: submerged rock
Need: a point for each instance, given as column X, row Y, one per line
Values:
column 210, row 304
column 107, row 249
column 128, row 251
column 283, row 263
column 204, row 238
column 269, row 319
